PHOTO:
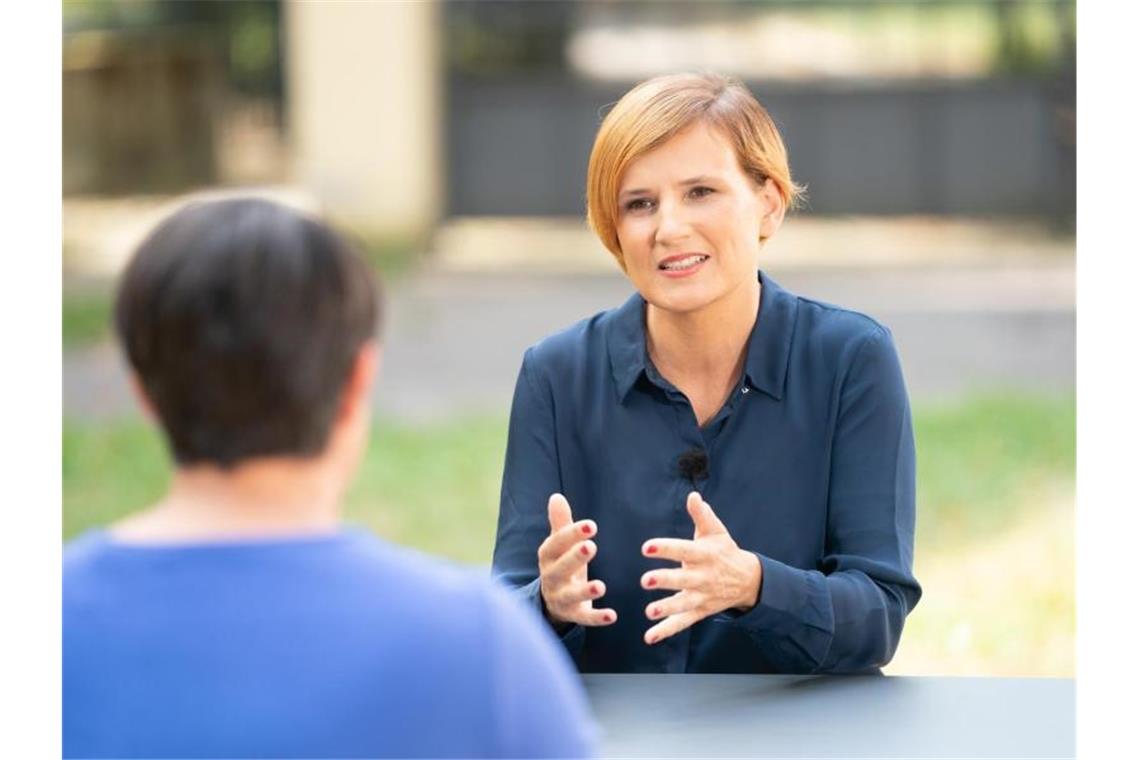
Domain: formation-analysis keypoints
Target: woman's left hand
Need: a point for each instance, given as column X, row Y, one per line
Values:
column 715, row 574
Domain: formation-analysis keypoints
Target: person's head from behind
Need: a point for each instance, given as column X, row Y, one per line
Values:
column 688, row 172
column 250, row 329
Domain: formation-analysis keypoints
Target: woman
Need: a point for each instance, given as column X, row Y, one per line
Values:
column 744, row 450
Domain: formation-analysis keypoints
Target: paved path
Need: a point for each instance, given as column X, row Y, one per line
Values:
column 454, row 341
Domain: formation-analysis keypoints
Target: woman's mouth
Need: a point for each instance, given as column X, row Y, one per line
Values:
column 682, row 265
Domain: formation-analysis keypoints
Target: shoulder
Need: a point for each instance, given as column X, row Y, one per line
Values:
column 425, row 577
column 837, row 325
column 571, row 345
column 857, row 350
column 82, row 557
column 838, row 337
column 471, row 598
column 583, row 346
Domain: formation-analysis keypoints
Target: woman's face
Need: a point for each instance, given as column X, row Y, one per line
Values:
column 690, row 220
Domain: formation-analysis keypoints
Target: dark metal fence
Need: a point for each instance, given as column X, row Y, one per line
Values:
column 519, row 145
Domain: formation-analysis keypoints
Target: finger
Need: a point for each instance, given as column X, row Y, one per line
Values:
column 574, row 559
column 557, row 543
column 558, row 510
column 671, row 605
column 673, row 579
column 703, row 516
column 671, row 626
column 573, row 593
column 594, row 618
column 676, row 549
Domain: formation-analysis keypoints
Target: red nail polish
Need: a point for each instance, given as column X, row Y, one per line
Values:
column 654, row 612
column 651, row 582
column 585, row 530
column 651, row 550
column 585, row 551
column 608, row 618
column 594, row 590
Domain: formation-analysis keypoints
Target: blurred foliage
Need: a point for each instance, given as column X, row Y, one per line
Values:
column 1035, row 37
column 1025, row 37
column 494, row 36
column 248, row 32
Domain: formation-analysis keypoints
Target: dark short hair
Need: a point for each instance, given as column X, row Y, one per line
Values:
column 242, row 319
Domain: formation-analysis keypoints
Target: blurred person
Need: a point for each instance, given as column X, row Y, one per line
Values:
column 238, row 617
column 758, row 442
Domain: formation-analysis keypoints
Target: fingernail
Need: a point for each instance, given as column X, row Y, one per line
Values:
column 608, row 618
column 653, row 613
column 651, row 583
column 594, row 589
column 585, row 530
column 652, row 640
column 585, row 551
column 651, row 550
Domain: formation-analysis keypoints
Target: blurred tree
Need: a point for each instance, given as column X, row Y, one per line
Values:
column 492, row 36
column 246, row 31
column 149, row 84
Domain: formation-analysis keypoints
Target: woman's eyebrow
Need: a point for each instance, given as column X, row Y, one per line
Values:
column 691, row 181
column 634, row 191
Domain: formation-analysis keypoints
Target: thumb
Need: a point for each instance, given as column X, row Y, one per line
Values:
column 704, row 519
column 558, row 510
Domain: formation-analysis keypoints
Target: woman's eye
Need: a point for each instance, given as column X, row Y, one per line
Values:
column 639, row 204
column 700, row 191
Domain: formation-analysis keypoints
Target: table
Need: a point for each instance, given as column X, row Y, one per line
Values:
column 670, row 715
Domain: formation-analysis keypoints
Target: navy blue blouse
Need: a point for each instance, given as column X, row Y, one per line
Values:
column 810, row 466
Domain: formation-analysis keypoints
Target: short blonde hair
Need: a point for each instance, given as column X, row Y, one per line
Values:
column 653, row 112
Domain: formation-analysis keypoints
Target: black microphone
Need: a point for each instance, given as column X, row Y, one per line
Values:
column 693, row 464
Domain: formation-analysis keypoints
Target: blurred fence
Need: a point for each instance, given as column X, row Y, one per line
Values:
column 519, row 145
column 140, row 111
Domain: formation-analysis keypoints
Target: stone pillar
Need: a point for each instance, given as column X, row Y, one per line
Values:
column 364, row 87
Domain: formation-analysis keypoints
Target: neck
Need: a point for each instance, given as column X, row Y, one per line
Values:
column 710, row 342
column 267, row 497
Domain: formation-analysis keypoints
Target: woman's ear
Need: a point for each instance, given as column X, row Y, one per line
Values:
column 772, row 208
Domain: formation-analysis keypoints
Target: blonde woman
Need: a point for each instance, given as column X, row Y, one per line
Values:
column 718, row 475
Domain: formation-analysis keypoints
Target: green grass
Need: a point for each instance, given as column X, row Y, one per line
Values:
column 981, row 465
column 86, row 317
column 985, row 462
column 434, row 487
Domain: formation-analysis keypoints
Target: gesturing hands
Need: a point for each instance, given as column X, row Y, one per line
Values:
column 562, row 557
column 715, row 574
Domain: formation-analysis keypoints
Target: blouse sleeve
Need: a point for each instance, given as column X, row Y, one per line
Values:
column 846, row 615
column 530, row 475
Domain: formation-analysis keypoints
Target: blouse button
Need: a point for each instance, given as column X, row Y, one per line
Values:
column 744, row 389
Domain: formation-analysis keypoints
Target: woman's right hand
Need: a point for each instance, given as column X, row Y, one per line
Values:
column 567, row 593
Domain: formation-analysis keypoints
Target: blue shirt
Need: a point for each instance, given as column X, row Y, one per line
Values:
column 333, row 646
column 810, row 466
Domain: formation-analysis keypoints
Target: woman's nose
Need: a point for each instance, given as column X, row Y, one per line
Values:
column 672, row 224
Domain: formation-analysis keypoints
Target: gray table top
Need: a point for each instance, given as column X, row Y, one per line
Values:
column 833, row 716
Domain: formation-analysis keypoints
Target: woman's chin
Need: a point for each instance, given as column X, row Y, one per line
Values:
column 678, row 299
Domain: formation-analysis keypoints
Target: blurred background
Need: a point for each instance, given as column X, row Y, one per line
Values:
column 450, row 139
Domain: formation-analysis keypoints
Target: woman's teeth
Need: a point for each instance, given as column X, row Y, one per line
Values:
column 685, row 263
